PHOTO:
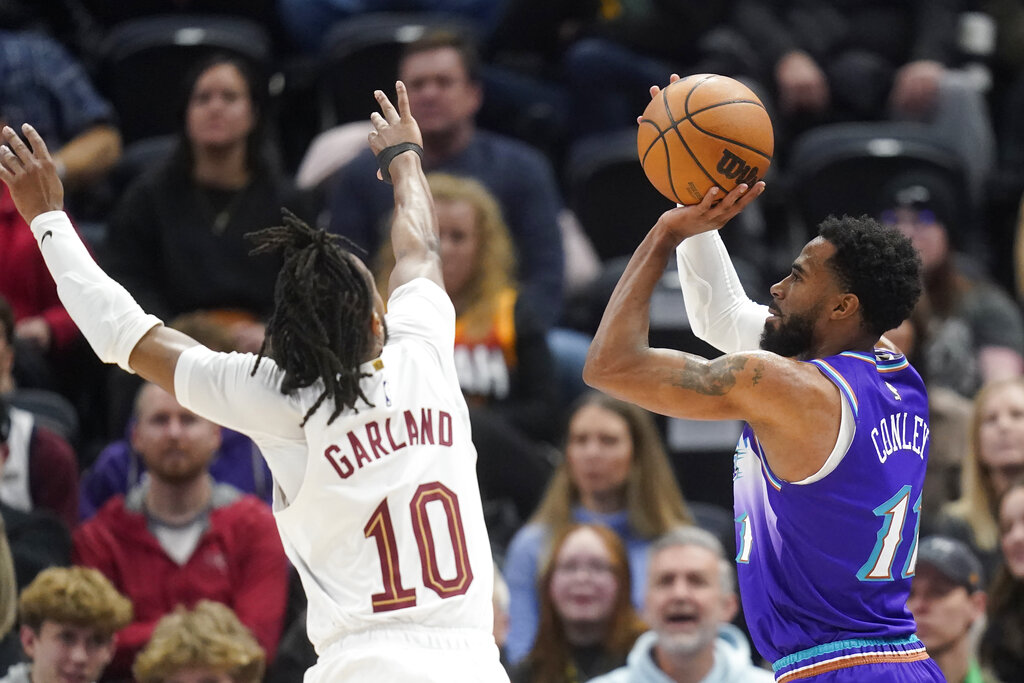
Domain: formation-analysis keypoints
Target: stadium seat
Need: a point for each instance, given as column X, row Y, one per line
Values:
column 609, row 193
column 844, row 167
column 361, row 54
column 144, row 61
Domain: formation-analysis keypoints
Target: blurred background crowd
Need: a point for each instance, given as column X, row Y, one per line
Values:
column 179, row 126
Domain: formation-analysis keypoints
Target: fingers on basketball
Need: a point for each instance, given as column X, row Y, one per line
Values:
column 704, row 131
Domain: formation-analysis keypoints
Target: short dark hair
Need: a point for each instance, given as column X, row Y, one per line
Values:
column 876, row 263
column 6, row 321
column 440, row 38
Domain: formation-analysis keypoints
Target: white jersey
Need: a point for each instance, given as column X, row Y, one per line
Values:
column 379, row 511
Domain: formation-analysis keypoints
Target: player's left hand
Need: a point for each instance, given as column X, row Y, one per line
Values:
column 713, row 212
column 30, row 174
column 655, row 89
column 392, row 125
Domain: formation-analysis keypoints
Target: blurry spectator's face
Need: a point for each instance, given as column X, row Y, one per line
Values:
column 583, row 584
column 1001, row 437
column 1011, row 531
column 199, row 675
column 927, row 234
column 599, row 453
column 685, row 600
column 220, row 110
column 175, row 444
column 944, row 611
column 460, row 243
column 62, row 653
column 441, row 95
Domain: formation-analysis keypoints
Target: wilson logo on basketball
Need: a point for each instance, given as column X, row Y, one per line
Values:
column 735, row 168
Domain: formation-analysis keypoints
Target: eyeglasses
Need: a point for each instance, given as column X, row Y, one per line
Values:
column 590, row 568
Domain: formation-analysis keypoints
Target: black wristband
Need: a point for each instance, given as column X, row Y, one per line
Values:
column 388, row 154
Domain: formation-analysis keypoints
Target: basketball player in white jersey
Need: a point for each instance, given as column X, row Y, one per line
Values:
column 358, row 413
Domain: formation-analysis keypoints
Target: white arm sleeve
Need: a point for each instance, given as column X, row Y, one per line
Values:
column 109, row 318
column 720, row 312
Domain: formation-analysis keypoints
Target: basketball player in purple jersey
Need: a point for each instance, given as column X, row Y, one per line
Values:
column 358, row 412
column 829, row 469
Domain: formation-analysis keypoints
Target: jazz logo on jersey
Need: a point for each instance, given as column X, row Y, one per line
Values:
column 895, row 393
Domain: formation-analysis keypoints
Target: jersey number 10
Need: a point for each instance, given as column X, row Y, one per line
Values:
column 395, row 595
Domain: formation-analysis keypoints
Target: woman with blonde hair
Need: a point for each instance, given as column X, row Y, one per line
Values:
column 501, row 355
column 587, row 624
column 207, row 644
column 615, row 473
column 994, row 460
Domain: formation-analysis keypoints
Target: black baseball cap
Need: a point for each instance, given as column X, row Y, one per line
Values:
column 923, row 192
column 953, row 559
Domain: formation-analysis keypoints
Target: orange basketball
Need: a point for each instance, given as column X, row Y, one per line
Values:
column 701, row 131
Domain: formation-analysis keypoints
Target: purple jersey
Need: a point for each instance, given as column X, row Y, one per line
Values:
column 824, row 565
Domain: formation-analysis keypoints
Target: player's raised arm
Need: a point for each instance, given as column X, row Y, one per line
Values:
column 621, row 362
column 735, row 386
column 398, row 145
column 116, row 327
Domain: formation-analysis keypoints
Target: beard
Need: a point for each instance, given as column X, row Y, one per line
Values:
column 791, row 337
column 685, row 644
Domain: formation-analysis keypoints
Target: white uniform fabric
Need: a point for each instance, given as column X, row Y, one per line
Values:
column 379, row 511
column 109, row 318
column 719, row 311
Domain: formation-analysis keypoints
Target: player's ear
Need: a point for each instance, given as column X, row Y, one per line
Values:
column 845, row 305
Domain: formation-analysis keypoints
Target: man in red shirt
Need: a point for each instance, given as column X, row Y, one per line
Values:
column 180, row 537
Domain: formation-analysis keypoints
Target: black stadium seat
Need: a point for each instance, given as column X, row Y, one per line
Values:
column 143, row 63
column 361, row 54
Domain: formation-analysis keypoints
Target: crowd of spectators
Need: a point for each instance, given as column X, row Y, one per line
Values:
column 588, row 522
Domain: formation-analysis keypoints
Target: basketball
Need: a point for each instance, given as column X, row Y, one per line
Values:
column 704, row 131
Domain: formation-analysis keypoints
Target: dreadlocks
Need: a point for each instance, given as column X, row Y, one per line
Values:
column 321, row 303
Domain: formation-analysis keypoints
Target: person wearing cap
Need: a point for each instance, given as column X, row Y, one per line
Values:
column 947, row 600
column 970, row 331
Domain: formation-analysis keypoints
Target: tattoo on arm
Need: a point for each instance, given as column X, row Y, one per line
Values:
column 714, row 379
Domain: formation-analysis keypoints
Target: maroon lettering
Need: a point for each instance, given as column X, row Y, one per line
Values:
column 373, row 434
column 426, row 426
column 358, row 451
column 444, row 428
column 411, row 428
column 333, row 450
column 391, row 439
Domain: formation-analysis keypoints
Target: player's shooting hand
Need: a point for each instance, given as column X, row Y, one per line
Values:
column 713, row 212
column 30, row 174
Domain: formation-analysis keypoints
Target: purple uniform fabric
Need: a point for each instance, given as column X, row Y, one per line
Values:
column 824, row 566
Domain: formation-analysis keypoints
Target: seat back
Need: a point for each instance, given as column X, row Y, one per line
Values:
column 844, row 168
column 144, row 61
column 610, row 195
column 361, row 54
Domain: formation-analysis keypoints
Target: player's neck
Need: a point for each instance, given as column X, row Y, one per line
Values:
column 688, row 668
column 832, row 346
column 178, row 502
